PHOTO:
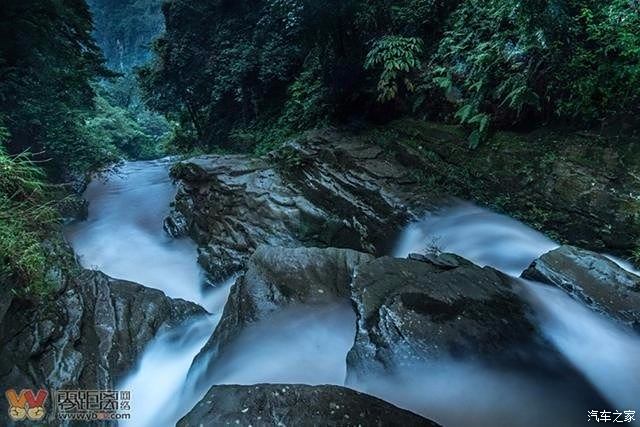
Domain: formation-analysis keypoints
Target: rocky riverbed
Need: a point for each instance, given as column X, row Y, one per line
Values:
column 312, row 229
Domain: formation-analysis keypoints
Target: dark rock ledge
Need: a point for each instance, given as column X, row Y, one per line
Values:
column 296, row 405
column 593, row 279
column 89, row 337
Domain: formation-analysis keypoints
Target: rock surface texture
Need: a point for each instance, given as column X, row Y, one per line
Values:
column 88, row 338
column 278, row 278
column 408, row 310
column 413, row 311
column 334, row 189
column 296, row 405
column 315, row 192
column 594, row 279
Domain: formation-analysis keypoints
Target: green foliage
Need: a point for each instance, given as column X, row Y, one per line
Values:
column 399, row 58
column 307, row 104
column 527, row 61
column 219, row 65
column 124, row 30
column 306, row 107
column 602, row 75
column 26, row 217
column 117, row 128
column 223, row 69
column 47, row 60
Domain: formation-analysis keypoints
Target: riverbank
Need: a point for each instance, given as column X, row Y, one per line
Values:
column 577, row 187
column 355, row 189
column 309, row 229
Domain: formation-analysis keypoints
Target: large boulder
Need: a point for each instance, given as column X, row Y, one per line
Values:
column 357, row 189
column 413, row 311
column 296, row 405
column 231, row 204
column 409, row 311
column 313, row 192
column 593, row 279
column 277, row 278
column 88, row 337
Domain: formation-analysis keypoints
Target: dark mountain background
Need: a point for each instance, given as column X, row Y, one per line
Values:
column 125, row 30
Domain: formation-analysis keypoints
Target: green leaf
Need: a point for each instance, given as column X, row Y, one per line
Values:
column 474, row 139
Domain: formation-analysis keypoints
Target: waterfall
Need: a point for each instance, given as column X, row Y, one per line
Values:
column 479, row 235
column 607, row 354
column 123, row 237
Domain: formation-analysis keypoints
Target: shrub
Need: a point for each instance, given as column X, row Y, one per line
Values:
column 530, row 61
column 25, row 220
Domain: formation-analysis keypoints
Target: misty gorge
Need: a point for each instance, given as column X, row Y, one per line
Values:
column 310, row 213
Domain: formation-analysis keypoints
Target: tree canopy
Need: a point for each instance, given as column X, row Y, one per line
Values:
column 226, row 68
column 48, row 59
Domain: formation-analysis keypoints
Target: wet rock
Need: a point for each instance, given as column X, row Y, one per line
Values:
column 444, row 261
column 408, row 311
column 593, row 279
column 582, row 187
column 336, row 189
column 411, row 312
column 357, row 181
column 277, row 278
column 294, row 405
column 231, row 204
column 88, row 337
column 314, row 192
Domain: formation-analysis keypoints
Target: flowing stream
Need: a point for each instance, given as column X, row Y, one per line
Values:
column 123, row 237
column 605, row 353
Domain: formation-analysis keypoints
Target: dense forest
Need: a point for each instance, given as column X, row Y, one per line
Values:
column 320, row 212
column 65, row 111
column 79, row 92
column 246, row 74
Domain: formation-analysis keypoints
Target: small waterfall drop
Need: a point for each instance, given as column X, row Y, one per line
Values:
column 481, row 236
column 605, row 353
column 123, row 237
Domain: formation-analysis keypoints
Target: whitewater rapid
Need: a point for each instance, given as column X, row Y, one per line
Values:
column 123, row 237
column 607, row 354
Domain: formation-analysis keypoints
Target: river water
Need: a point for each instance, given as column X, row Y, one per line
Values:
column 123, row 237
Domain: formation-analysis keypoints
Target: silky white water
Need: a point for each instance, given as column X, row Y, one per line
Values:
column 607, row 354
column 123, row 237
column 481, row 236
column 158, row 384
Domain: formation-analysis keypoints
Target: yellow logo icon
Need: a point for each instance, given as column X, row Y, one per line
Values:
column 27, row 404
